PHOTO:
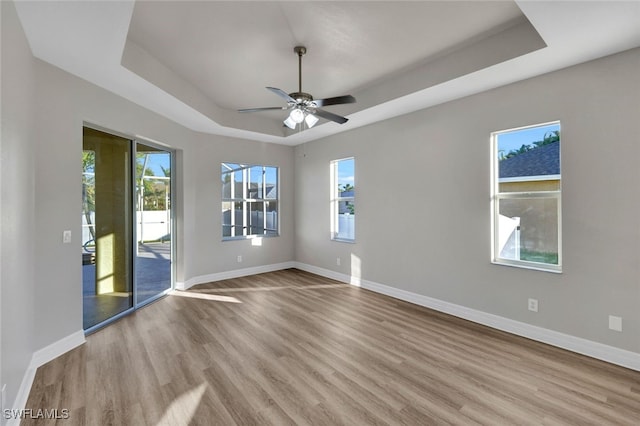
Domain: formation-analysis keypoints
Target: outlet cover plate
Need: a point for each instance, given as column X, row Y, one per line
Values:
column 615, row 323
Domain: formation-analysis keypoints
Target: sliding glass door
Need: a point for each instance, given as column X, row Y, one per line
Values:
column 126, row 225
column 153, row 219
column 107, row 216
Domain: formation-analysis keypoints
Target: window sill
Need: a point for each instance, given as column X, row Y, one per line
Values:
column 554, row 269
column 248, row 237
column 344, row 240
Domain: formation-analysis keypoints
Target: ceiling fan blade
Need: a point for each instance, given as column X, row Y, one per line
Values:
column 282, row 94
column 347, row 99
column 330, row 116
column 261, row 109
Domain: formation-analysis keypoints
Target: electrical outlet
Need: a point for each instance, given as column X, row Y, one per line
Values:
column 338, row 261
column 533, row 305
column 615, row 323
column 239, row 259
column 66, row 237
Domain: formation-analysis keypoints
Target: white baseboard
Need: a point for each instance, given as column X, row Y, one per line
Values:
column 579, row 345
column 39, row 358
column 23, row 395
column 56, row 349
column 236, row 273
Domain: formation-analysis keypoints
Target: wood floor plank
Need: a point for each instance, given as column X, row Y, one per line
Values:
column 293, row 348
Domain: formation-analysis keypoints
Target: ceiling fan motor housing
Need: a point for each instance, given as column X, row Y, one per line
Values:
column 301, row 96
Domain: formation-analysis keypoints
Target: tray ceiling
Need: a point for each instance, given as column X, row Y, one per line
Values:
column 197, row 62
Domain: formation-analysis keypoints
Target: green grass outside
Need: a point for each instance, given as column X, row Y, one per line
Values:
column 539, row 257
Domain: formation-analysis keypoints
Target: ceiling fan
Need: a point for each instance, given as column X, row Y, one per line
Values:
column 302, row 105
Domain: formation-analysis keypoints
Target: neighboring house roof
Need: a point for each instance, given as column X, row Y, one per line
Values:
column 544, row 160
column 271, row 190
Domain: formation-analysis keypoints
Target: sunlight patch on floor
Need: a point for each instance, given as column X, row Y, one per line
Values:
column 182, row 409
column 272, row 288
column 213, row 297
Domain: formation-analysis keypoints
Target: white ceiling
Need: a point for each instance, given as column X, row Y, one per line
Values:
column 197, row 62
column 249, row 45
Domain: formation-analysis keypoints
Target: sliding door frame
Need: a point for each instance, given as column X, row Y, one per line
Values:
column 133, row 141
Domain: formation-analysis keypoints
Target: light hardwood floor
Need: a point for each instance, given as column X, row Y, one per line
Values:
column 290, row 347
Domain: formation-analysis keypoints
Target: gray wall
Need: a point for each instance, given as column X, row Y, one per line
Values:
column 17, row 163
column 423, row 201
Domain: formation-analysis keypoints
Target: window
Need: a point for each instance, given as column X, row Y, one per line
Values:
column 249, row 200
column 343, row 206
column 526, row 197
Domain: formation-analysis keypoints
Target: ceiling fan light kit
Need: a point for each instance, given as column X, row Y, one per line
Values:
column 297, row 115
column 311, row 120
column 304, row 109
column 290, row 123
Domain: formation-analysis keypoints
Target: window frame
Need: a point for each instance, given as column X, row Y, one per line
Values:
column 497, row 196
column 336, row 199
column 247, row 202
